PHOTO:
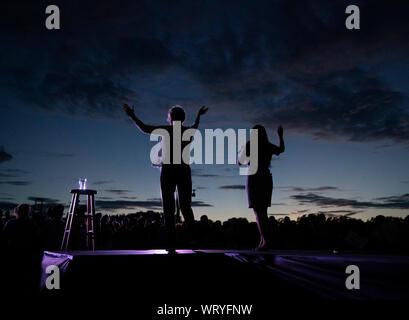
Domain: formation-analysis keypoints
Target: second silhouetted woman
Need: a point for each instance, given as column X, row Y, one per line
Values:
column 259, row 186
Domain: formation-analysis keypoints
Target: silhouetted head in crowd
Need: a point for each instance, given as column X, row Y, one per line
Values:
column 80, row 210
column 176, row 113
column 105, row 219
column 22, row 210
column 58, row 211
column 50, row 213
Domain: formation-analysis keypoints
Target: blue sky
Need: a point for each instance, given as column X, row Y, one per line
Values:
column 341, row 96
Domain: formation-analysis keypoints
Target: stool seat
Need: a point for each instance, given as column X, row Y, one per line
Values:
column 83, row 191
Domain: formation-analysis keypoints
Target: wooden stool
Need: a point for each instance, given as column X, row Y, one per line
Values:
column 89, row 218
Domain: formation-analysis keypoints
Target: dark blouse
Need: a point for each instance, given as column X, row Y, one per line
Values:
column 265, row 153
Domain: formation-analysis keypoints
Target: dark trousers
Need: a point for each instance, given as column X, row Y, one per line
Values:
column 180, row 177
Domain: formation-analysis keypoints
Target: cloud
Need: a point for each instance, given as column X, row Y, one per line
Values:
column 12, row 173
column 154, row 204
column 225, row 172
column 6, row 198
column 198, row 203
column 207, row 175
column 392, row 202
column 16, row 183
column 7, row 175
column 402, row 200
column 233, row 187
column 6, row 205
column 16, row 171
column 353, row 103
column 105, row 198
column 334, row 213
column 302, row 211
column 4, row 156
column 330, row 213
column 118, row 191
column 315, row 189
column 54, row 154
column 102, row 182
column 45, row 200
column 273, row 62
column 48, row 154
column 127, row 204
column 327, row 213
column 200, row 173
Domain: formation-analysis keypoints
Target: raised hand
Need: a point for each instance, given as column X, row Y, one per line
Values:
column 203, row 110
column 128, row 110
column 280, row 130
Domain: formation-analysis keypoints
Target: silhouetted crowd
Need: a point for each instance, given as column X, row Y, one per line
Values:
column 26, row 232
column 24, row 237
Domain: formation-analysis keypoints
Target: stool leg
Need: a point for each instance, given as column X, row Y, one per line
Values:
column 89, row 222
column 92, row 220
column 68, row 224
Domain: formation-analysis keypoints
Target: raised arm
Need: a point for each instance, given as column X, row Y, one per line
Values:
column 202, row 111
column 141, row 126
column 281, row 147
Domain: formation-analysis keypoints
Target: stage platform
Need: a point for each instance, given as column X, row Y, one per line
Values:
column 200, row 276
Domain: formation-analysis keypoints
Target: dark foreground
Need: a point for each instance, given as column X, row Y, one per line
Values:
column 145, row 282
column 220, row 276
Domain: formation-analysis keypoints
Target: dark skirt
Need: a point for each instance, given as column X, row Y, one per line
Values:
column 259, row 188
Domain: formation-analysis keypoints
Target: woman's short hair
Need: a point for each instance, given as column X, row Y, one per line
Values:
column 176, row 113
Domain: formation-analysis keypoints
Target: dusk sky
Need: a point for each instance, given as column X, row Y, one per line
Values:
column 341, row 95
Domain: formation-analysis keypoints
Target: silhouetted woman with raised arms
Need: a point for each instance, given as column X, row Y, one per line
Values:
column 259, row 186
column 174, row 174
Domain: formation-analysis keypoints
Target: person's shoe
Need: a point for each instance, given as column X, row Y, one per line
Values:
column 264, row 247
column 193, row 244
column 261, row 245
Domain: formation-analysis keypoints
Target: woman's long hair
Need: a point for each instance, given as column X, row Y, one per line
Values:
column 262, row 143
column 262, row 136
